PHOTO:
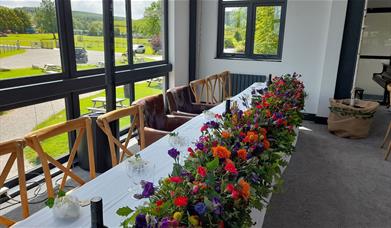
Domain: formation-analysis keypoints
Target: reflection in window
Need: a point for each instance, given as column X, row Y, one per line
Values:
column 267, row 29
column 30, row 118
column 87, row 20
column 235, row 20
column 29, row 44
column 148, row 30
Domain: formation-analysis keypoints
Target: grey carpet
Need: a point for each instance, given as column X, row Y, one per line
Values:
column 335, row 182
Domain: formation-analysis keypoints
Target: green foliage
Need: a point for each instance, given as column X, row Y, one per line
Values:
column 153, row 17
column 15, row 20
column 45, row 17
column 266, row 37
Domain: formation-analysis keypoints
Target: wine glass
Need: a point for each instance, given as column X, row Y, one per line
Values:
column 136, row 171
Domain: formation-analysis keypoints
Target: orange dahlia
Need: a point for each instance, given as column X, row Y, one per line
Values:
column 242, row 154
column 221, row 152
column 244, row 188
column 225, row 134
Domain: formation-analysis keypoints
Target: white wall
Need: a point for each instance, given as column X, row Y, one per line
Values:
column 178, row 35
column 312, row 41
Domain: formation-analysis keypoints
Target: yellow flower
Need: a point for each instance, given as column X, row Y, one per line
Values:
column 177, row 216
column 194, row 220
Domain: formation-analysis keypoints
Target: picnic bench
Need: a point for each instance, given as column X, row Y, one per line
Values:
column 99, row 104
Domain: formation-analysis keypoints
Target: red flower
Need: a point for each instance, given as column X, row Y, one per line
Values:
column 175, row 179
column 218, row 116
column 235, row 194
column 230, row 167
column 204, row 127
column 180, row 201
column 202, row 171
column 230, row 188
column 159, row 203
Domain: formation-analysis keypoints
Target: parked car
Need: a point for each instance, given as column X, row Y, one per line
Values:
column 139, row 48
column 81, row 55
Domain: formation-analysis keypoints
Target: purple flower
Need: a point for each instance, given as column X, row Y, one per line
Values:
column 165, row 223
column 200, row 146
column 173, row 153
column 200, row 208
column 149, row 190
column 217, row 208
column 141, row 221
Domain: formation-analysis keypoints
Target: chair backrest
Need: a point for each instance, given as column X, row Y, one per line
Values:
column 179, row 99
column 225, row 84
column 14, row 149
column 213, row 86
column 198, row 87
column 135, row 113
column 82, row 126
column 154, row 111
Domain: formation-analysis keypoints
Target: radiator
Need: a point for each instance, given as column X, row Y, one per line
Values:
column 241, row 81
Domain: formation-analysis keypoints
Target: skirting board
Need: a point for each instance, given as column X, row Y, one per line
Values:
column 315, row 118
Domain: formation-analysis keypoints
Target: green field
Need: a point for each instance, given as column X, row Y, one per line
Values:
column 93, row 43
column 58, row 146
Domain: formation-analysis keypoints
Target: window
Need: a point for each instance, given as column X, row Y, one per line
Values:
column 251, row 29
column 29, row 41
column 87, row 17
column 64, row 40
column 148, row 31
column 23, row 120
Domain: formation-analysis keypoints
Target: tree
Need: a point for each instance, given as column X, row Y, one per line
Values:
column 45, row 17
column 266, row 36
column 15, row 20
column 153, row 17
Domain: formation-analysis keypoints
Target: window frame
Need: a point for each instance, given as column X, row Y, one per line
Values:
column 250, row 29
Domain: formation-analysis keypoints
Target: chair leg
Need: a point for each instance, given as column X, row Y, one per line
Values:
column 6, row 222
column 385, row 137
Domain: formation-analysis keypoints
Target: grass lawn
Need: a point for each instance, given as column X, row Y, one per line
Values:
column 11, row 53
column 21, row 72
column 59, row 145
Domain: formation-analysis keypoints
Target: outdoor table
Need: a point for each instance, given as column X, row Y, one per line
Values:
column 113, row 185
column 99, row 104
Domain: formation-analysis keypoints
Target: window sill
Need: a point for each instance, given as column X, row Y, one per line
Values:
column 247, row 59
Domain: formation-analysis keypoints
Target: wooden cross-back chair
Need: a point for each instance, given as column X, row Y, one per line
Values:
column 198, row 87
column 14, row 149
column 135, row 112
column 225, row 84
column 213, row 87
column 82, row 126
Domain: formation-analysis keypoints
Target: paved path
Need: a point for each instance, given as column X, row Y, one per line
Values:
column 40, row 57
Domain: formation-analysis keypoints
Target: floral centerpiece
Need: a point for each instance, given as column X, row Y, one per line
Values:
column 232, row 168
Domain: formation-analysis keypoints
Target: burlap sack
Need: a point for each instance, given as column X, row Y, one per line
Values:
column 351, row 122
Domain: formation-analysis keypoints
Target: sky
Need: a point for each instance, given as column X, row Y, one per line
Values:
column 93, row 6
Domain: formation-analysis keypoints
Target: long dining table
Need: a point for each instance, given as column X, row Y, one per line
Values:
column 112, row 186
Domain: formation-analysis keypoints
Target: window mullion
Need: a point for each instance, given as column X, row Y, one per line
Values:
column 250, row 27
column 128, row 6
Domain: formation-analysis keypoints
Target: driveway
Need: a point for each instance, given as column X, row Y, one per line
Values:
column 40, row 57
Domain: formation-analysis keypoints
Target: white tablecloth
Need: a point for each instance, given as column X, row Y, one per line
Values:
column 113, row 185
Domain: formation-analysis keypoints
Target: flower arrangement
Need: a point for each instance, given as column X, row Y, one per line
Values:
column 231, row 169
